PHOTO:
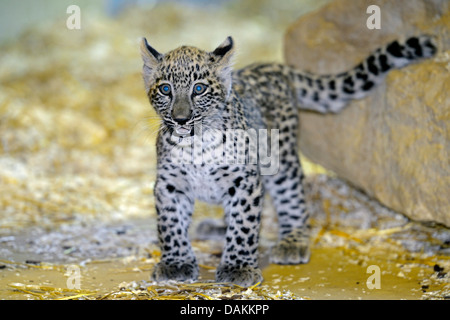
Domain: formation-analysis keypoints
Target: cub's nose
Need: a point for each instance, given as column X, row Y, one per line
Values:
column 181, row 121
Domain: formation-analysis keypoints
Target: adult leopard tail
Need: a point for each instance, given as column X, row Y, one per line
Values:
column 330, row 93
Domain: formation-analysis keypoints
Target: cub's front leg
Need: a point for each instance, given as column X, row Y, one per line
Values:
column 243, row 204
column 174, row 209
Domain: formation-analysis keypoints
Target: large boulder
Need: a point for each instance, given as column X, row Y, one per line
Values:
column 394, row 144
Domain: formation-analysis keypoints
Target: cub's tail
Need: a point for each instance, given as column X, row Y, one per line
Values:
column 330, row 93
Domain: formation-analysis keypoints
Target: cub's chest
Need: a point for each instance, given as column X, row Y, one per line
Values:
column 206, row 182
column 211, row 183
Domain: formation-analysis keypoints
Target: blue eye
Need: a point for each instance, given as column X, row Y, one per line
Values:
column 165, row 89
column 199, row 88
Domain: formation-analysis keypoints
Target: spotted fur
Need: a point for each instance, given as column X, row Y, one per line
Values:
column 210, row 115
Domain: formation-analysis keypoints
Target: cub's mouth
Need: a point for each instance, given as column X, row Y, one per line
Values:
column 183, row 130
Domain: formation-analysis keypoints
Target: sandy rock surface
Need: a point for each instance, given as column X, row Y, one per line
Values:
column 395, row 143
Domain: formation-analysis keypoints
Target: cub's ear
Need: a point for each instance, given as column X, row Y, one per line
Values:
column 149, row 55
column 151, row 58
column 224, row 52
column 221, row 58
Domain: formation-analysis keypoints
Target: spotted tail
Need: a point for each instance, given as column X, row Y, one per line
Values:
column 330, row 93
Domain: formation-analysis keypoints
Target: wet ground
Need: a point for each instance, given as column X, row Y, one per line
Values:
column 361, row 250
column 77, row 165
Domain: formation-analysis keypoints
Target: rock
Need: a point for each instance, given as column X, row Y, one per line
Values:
column 394, row 144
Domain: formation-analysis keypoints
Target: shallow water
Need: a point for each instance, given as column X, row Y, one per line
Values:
column 118, row 257
column 329, row 275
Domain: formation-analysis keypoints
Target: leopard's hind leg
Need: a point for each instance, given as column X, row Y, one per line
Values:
column 286, row 190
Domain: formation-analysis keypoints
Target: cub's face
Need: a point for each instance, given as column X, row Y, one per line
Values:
column 187, row 86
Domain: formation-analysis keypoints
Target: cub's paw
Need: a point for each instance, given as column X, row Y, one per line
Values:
column 293, row 249
column 174, row 271
column 242, row 276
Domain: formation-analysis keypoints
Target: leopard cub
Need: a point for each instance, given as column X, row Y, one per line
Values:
column 217, row 126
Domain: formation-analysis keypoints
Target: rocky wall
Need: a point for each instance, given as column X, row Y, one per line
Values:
column 395, row 143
